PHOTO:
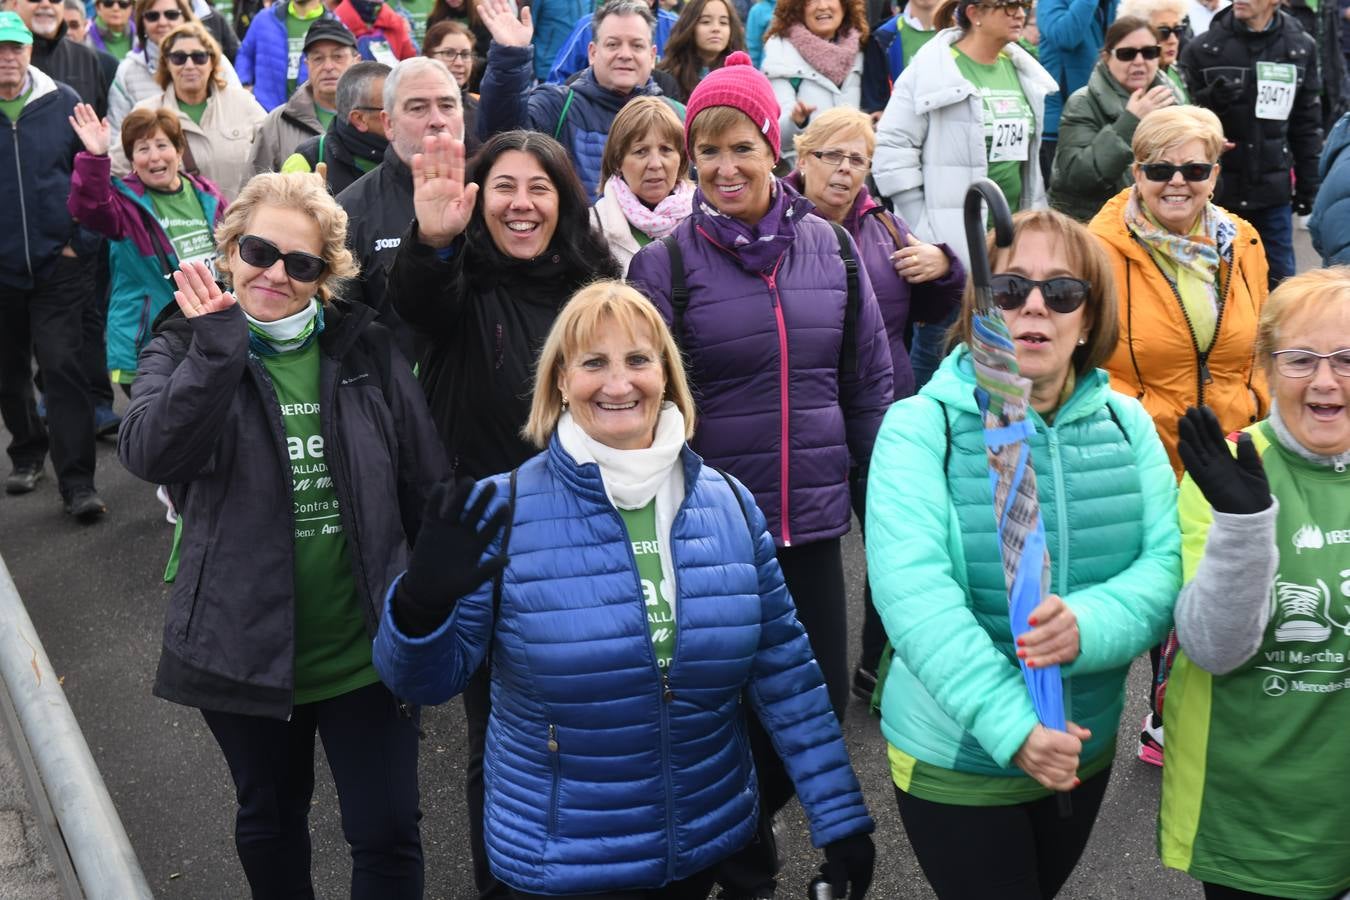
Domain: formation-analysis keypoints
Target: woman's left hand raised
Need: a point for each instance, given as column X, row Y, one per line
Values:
column 442, row 202
column 1053, row 637
column 198, row 294
column 920, row 262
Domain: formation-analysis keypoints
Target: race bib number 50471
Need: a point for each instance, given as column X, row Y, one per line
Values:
column 1275, row 86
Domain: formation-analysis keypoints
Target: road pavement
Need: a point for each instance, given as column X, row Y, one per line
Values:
column 96, row 596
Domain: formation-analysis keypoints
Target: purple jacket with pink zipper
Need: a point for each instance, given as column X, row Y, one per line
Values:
column 761, row 338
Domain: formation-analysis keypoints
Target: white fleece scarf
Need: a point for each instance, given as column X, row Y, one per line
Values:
column 633, row 478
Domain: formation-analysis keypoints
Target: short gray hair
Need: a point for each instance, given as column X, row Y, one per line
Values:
column 354, row 85
column 623, row 8
column 411, row 66
column 77, row 6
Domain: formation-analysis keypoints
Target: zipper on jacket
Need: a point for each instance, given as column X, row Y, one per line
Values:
column 1061, row 509
column 337, row 471
column 784, row 488
column 555, row 766
column 23, row 203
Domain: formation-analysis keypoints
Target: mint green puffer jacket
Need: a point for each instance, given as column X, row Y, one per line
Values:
column 955, row 697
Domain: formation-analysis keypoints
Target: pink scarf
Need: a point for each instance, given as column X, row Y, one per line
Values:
column 833, row 59
column 655, row 223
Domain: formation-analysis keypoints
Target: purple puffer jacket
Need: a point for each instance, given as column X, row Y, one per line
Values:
column 762, row 352
column 902, row 304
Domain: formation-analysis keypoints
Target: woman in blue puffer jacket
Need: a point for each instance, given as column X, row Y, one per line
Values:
column 626, row 598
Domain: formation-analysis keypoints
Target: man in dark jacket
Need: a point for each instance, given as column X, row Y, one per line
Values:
column 579, row 115
column 421, row 99
column 46, row 276
column 355, row 141
column 65, row 61
column 1256, row 68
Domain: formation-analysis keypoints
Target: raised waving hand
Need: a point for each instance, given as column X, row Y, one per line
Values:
column 499, row 17
column 92, row 131
column 198, row 294
column 442, row 201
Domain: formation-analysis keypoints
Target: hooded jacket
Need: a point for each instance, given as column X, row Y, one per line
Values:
column 283, row 130
column 1094, row 154
column 955, row 697
column 1157, row 361
column 794, row 79
column 573, row 55
column 599, row 773
column 203, row 420
column 1072, row 34
column 389, row 28
column 1330, row 222
column 1255, row 173
column 119, row 209
column 763, row 350
column 579, row 115
column 265, row 55
column 341, row 158
column 931, row 144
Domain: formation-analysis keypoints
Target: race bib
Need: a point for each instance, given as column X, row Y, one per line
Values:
column 1275, row 86
column 382, row 52
column 294, row 53
column 1010, row 140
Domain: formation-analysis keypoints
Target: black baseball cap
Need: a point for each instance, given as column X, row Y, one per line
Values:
column 327, row 28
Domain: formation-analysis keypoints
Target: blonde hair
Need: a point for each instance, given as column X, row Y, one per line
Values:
column 1086, row 259
column 1147, row 9
column 638, row 118
column 1166, row 129
column 594, row 307
column 839, row 122
column 190, row 29
column 1314, row 290
column 301, row 192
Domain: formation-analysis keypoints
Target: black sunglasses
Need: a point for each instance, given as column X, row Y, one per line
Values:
column 1127, row 54
column 180, row 57
column 170, row 15
column 1062, row 294
column 109, row 4
column 1167, row 31
column 262, row 254
column 1163, row 172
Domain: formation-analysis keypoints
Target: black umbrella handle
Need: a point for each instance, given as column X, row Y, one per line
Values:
column 980, row 192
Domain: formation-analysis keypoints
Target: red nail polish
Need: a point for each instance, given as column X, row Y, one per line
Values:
column 1021, row 642
column 1077, row 782
column 1021, row 654
column 1031, row 664
column 1032, row 621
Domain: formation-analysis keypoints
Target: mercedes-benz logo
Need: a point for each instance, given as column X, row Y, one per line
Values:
column 1274, row 686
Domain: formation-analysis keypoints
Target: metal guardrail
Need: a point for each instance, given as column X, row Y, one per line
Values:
column 95, row 839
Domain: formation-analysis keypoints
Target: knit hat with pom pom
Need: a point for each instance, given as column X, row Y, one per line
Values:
column 741, row 86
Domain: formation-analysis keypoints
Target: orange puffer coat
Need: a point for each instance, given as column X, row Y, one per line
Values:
column 1157, row 359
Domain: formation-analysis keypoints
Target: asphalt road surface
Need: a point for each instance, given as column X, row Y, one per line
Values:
column 96, row 597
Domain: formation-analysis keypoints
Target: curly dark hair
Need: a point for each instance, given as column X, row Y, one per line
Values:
column 582, row 248
column 681, row 57
column 793, row 12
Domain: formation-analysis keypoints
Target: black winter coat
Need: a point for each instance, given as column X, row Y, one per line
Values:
column 74, row 65
column 204, row 420
column 1324, row 25
column 1255, row 173
column 379, row 207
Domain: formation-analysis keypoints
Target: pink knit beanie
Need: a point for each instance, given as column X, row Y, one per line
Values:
column 741, row 86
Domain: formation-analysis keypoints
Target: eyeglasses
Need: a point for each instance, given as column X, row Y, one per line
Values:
column 1303, row 363
column 263, row 254
column 180, row 57
column 170, row 15
column 1162, row 172
column 452, row 55
column 1168, row 31
column 109, row 4
column 835, row 157
column 1127, row 54
column 369, row 108
column 53, row 2
column 1022, row 6
column 1062, row 294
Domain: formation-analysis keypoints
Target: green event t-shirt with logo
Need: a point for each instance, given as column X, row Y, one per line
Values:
column 1009, row 124
column 297, row 26
column 193, row 111
column 325, row 116
column 332, row 647
column 119, row 45
column 641, row 524
column 181, row 215
column 1255, row 786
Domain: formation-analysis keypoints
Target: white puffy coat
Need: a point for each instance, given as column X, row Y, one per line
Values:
column 607, row 217
column 783, row 64
column 135, row 80
column 931, row 145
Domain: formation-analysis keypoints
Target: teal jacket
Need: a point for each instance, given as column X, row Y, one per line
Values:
column 955, row 697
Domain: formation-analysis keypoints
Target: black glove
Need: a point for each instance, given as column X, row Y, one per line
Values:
column 848, row 863
column 1303, row 204
column 1219, row 94
column 1231, row 485
column 447, row 562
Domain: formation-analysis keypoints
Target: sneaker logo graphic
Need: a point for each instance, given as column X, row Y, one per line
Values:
column 1309, row 537
column 1301, row 611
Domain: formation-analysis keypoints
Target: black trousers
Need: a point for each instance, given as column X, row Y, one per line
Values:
column 695, row 887
column 48, row 320
column 1022, row 852
column 873, row 637
column 1223, row 892
column 94, row 355
column 372, row 752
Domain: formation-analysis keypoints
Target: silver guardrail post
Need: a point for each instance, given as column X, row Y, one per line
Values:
column 95, row 839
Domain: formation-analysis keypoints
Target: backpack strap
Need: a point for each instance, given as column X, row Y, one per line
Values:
column 740, row 501
column 154, row 229
column 319, row 158
column 882, row 215
column 562, row 116
column 848, row 351
column 497, row 582
column 679, row 290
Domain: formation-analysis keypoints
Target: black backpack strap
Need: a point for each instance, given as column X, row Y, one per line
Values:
column 848, row 350
column 740, row 501
column 154, row 230
column 679, row 291
column 497, row 582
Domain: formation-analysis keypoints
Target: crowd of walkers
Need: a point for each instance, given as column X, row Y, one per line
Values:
column 544, row 356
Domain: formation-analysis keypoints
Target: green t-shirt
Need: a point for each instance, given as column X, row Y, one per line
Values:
column 939, row 785
column 194, row 111
column 1174, row 80
column 417, row 11
column 332, row 648
column 1009, row 124
column 297, row 26
column 641, row 524
column 1253, row 790
column 642, row 237
column 13, row 108
column 181, row 215
column 119, row 45
column 912, row 39
column 325, row 116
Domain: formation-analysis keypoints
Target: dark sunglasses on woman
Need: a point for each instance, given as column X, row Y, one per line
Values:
column 109, row 4
column 1162, row 172
column 262, row 254
column 1127, row 54
column 170, row 15
column 1167, row 31
column 1062, row 294
column 180, row 57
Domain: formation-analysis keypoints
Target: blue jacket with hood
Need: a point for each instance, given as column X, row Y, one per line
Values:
column 1330, row 222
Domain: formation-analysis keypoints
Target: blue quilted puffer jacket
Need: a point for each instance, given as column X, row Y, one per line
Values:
column 264, row 57
column 598, row 775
